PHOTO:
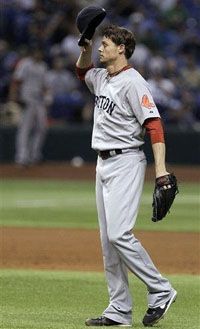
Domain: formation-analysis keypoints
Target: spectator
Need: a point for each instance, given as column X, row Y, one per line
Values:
column 69, row 45
column 191, row 73
column 183, row 116
column 164, row 93
column 167, row 43
column 63, row 98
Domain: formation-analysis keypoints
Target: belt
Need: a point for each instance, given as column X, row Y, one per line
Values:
column 109, row 153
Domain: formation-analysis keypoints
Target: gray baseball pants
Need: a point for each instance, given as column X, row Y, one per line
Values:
column 119, row 184
column 31, row 133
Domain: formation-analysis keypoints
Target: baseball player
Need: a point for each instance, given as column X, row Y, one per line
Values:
column 124, row 109
column 27, row 88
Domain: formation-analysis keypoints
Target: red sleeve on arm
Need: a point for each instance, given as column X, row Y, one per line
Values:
column 155, row 129
column 82, row 72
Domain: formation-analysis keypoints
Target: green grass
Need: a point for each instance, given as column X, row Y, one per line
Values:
column 63, row 300
column 35, row 203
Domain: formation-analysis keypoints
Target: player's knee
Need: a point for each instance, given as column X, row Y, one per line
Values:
column 115, row 237
column 119, row 238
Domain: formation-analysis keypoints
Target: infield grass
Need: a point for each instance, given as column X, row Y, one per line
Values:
column 63, row 300
column 39, row 203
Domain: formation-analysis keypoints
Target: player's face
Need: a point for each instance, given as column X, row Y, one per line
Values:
column 108, row 51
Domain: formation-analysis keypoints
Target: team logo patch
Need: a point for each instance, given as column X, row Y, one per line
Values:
column 146, row 102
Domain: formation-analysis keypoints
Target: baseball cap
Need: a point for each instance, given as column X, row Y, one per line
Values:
column 87, row 21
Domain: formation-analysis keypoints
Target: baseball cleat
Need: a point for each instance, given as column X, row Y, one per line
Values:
column 103, row 321
column 153, row 315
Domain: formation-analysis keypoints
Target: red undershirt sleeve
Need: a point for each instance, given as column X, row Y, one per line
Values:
column 82, row 72
column 154, row 128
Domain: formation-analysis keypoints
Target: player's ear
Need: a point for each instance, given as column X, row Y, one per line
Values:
column 121, row 49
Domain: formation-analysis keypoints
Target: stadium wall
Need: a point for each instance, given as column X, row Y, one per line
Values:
column 65, row 143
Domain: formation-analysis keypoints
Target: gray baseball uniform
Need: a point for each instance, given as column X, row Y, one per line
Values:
column 31, row 132
column 122, row 104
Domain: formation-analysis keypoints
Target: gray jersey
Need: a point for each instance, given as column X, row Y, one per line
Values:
column 32, row 76
column 122, row 104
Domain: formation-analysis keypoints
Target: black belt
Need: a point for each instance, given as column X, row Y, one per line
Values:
column 109, row 153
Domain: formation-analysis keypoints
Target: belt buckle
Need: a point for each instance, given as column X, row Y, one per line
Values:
column 109, row 153
column 112, row 153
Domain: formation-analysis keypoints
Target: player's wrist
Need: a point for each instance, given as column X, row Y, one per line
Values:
column 161, row 173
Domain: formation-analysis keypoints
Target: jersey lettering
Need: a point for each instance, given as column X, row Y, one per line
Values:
column 104, row 103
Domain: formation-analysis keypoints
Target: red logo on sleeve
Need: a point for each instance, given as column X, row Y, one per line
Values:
column 146, row 102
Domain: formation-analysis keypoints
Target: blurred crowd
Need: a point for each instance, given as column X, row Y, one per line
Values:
column 167, row 53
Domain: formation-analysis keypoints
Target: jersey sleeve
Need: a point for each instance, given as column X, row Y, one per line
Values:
column 91, row 79
column 141, row 101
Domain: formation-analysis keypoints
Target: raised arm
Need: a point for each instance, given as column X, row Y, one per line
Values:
column 85, row 59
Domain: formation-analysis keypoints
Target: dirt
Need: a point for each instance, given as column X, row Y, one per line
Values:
column 66, row 171
column 75, row 249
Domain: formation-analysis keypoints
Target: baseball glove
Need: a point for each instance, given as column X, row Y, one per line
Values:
column 164, row 194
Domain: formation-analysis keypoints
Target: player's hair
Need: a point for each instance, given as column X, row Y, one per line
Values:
column 120, row 35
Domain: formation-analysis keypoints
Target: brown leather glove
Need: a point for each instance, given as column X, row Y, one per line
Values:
column 164, row 194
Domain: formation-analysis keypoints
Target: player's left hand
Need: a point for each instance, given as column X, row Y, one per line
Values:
column 164, row 194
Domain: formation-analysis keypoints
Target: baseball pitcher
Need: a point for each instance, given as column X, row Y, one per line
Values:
column 124, row 109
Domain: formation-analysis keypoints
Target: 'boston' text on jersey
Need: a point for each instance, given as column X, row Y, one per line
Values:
column 104, row 103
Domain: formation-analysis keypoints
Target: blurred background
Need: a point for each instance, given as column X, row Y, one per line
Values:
column 167, row 55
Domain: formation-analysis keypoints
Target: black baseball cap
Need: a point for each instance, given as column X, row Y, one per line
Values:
column 87, row 21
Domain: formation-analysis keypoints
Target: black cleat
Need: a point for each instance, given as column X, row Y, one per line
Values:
column 103, row 321
column 153, row 315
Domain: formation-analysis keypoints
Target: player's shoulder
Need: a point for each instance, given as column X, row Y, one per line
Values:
column 25, row 61
column 95, row 73
column 134, row 76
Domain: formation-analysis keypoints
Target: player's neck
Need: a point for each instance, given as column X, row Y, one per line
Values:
column 116, row 67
